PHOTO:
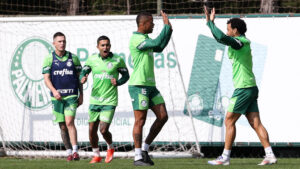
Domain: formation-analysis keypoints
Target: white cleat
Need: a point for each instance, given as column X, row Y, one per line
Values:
column 219, row 161
column 268, row 160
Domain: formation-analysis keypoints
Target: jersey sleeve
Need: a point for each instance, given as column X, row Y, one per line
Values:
column 122, row 69
column 224, row 39
column 86, row 69
column 47, row 64
column 77, row 63
column 159, row 43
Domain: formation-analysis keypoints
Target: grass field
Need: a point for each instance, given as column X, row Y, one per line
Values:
column 187, row 163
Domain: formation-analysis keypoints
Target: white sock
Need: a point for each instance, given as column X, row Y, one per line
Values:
column 145, row 147
column 269, row 152
column 69, row 151
column 96, row 152
column 226, row 154
column 137, row 154
column 75, row 148
column 110, row 146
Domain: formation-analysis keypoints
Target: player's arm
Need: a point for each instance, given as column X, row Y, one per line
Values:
column 85, row 72
column 224, row 39
column 218, row 34
column 78, row 68
column 125, row 76
column 47, row 78
column 160, row 42
column 122, row 69
column 49, row 84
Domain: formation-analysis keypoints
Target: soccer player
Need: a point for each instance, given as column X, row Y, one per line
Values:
column 142, row 88
column 106, row 67
column 61, row 70
column 244, row 98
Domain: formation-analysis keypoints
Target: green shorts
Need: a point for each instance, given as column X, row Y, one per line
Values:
column 103, row 113
column 144, row 97
column 65, row 107
column 244, row 100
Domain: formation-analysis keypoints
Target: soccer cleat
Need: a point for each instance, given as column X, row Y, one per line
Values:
column 141, row 162
column 147, row 158
column 268, row 160
column 70, row 157
column 220, row 161
column 76, row 156
column 96, row 159
column 109, row 155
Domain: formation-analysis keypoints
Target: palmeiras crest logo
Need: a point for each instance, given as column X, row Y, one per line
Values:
column 26, row 73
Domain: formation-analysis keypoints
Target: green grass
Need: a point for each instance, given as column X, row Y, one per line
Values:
column 187, row 163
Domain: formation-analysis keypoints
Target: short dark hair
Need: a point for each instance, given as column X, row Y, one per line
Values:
column 141, row 15
column 239, row 24
column 103, row 37
column 58, row 34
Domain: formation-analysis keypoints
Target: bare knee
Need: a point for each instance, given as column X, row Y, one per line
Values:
column 163, row 119
column 63, row 127
column 103, row 130
column 70, row 123
column 139, row 123
column 229, row 123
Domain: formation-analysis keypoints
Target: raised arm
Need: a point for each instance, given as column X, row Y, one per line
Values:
column 218, row 34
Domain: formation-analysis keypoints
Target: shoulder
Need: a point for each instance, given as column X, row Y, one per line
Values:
column 74, row 58
column 48, row 59
column 243, row 39
column 117, row 58
column 137, row 38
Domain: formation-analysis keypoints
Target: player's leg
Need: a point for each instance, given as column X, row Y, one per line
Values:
column 66, row 140
column 239, row 103
column 158, row 106
column 94, row 115
column 140, row 104
column 70, row 113
column 139, row 122
column 255, row 122
column 58, row 112
column 106, row 116
column 160, row 112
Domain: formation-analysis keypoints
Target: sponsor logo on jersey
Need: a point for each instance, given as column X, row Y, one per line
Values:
column 103, row 76
column 64, row 91
column 63, row 72
column 26, row 81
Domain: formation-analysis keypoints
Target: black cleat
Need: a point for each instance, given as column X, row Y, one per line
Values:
column 147, row 158
column 141, row 162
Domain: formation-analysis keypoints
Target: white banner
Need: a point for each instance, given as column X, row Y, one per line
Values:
column 26, row 113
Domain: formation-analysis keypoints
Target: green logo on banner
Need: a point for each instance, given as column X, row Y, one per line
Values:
column 204, row 82
column 25, row 73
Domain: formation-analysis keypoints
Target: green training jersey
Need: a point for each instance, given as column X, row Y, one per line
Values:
column 239, row 53
column 48, row 62
column 103, row 70
column 241, row 60
column 141, row 49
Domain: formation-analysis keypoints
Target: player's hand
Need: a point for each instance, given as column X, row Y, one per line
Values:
column 165, row 18
column 80, row 100
column 211, row 16
column 84, row 79
column 113, row 81
column 57, row 95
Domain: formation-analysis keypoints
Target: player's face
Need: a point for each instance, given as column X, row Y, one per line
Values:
column 104, row 48
column 231, row 32
column 149, row 25
column 59, row 43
